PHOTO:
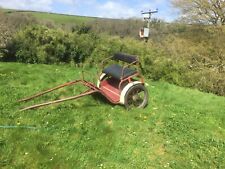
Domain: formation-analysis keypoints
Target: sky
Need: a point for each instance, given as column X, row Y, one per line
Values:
column 97, row 8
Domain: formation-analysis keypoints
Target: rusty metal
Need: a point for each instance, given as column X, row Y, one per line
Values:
column 49, row 90
column 91, row 86
column 88, row 92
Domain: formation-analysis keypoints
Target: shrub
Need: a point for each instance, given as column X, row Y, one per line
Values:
column 10, row 23
column 39, row 44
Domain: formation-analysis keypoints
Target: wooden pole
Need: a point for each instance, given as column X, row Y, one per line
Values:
column 59, row 101
column 49, row 90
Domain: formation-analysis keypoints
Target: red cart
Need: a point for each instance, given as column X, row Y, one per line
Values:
column 120, row 84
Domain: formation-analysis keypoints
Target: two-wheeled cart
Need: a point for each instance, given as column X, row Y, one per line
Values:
column 120, row 84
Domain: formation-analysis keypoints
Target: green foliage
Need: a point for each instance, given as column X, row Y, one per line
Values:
column 118, row 27
column 181, row 128
column 193, row 59
column 200, row 53
column 83, row 29
column 9, row 25
column 39, row 44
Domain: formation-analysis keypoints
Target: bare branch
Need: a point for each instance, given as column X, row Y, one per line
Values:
column 203, row 11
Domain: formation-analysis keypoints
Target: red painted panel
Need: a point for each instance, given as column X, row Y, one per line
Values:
column 110, row 88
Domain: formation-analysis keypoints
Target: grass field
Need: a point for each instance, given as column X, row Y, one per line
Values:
column 57, row 18
column 61, row 19
column 181, row 128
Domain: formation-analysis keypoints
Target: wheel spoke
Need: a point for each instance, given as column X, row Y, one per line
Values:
column 137, row 96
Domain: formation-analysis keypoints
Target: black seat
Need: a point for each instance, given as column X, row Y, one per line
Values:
column 125, row 58
column 117, row 70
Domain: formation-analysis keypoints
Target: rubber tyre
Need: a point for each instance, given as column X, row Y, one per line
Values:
column 130, row 93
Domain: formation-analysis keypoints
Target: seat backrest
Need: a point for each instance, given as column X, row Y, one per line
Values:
column 125, row 58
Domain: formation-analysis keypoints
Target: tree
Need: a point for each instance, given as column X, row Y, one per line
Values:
column 202, row 11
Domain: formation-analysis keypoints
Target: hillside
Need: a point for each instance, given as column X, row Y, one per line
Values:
column 181, row 128
column 57, row 18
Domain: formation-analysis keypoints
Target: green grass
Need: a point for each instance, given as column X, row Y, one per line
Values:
column 62, row 19
column 181, row 128
column 57, row 18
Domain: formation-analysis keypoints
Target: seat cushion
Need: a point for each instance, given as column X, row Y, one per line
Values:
column 116, row 71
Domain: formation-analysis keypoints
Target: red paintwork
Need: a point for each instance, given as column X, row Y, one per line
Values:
column 109, row 88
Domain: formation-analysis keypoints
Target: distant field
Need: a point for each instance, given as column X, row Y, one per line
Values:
column 57, row 18
column 181, row 128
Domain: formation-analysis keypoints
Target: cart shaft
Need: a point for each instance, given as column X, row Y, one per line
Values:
column 61, row 100
column 49, row 90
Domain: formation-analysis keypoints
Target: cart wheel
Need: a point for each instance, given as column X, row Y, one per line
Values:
column 136, row 96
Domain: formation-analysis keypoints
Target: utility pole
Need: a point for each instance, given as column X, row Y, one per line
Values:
column 144, row 33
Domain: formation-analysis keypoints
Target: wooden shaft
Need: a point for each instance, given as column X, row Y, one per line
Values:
column 49, row 90
column 61, row 100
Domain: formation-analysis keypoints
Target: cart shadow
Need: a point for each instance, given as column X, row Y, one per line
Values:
column 101, row 99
